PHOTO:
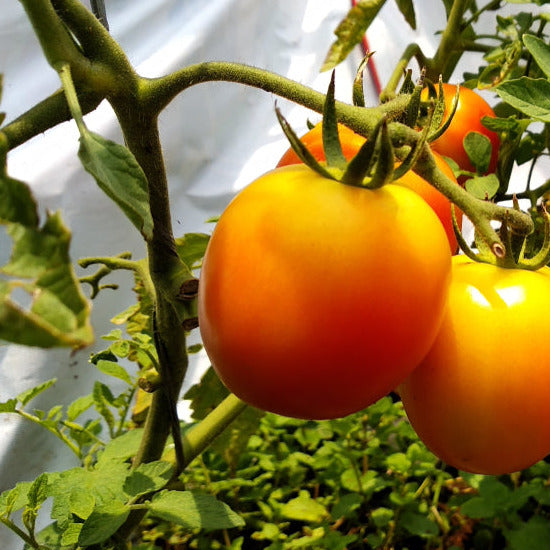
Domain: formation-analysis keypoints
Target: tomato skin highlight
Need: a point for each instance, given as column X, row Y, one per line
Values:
column 352, row 142
column 317, row 298
column 479, row 399
column 470, row 110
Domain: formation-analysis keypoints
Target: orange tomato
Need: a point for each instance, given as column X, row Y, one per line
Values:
column 318, row 298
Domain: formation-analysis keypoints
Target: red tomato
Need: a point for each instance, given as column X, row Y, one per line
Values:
column 318, row 298
column 467, row 118
column 352, row 142
column 479, row 400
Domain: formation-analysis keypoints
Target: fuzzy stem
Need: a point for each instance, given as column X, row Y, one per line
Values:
column 412, row 50
column 158, row 93
column 443, row 61
column 199, row 437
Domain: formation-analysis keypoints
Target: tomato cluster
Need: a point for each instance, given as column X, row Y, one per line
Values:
column 318, row 298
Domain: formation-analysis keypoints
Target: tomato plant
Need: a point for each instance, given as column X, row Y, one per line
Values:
column 479, row 400
column 309, row 286
column 471, row 108
column 352, row 142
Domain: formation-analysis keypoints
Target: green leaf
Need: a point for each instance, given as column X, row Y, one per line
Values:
column 398, row 462
column 115, row 370
column 418, row 524
column 25, row 397
column 406, row 7
column 121, row 448
column 533, row 535
column 119, row 175
column 540, row 52
column 351, row 30
column 38, row 491
column 8, row 406
column 194, row 510
column 17, row 204
column 71, row 535
column 147, row 478
column 81, row 503
column 346, row 506
column 52, row 537
column 14, row 499
column 478, row 147
column 304, row 508
column 104, row 484
column 191, row 248
column 103, row 522
column 530, row 96
column 102, row 399
column 59, row 312
column 79, row 406
column 382, row 517
column 483, row 187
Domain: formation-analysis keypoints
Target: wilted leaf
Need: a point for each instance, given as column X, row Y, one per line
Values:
column 17, row 204
column 58, row 312
column 351, row 30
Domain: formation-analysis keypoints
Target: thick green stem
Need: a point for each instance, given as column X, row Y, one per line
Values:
column 158, row 93
column 412, row 50
column 97, row 44
column 198, row 438
column 141, row 134
column 443, row 62
column 45, row 115
column 479, row 212
column 60, row 48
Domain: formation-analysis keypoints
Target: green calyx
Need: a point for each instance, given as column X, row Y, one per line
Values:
column 518, row 252
column 374, row 164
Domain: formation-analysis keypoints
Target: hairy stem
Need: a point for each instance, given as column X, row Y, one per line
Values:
column 443, row 62
column 158, row 93
column 198, row 438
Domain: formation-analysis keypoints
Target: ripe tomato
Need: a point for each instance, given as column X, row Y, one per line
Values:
column 479, row 400
column 352, row 142
column 467, row 118
column 318, row 298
